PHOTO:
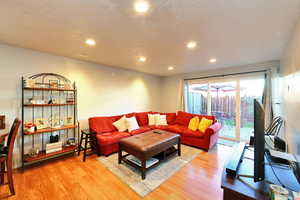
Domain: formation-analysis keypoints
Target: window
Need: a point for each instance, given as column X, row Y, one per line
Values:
column 229, row 99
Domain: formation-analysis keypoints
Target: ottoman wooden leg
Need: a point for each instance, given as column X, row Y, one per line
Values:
column 143, row 169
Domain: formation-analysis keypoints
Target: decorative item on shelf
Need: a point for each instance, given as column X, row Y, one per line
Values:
column 53, row 84
column 37, row 101
column 69, row 121
column 37, row 151
column 62, row 100
column 54, row 138
column 55, row 122
column 53, row 147
column 70, row 100
column 42, row 85
column 41, row 123
column 33, row 152
column 52, row 100
column 29, row 83
column 29, row 127
column 71, row 142
column 67, row 86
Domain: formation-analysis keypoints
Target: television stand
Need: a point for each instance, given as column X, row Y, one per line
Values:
column 243, row 187
column 250, row 184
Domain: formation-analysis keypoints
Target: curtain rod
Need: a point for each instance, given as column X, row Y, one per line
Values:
column 216, row 76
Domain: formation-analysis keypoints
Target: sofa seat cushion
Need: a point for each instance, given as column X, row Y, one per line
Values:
column 111, row 138
column 186, row 132
column 175, row 128
column 142, row 129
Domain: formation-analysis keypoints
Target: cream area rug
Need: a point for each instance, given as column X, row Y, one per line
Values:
column 155, row 176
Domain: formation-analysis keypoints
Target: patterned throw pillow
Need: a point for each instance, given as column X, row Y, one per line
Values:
column 161, row 120
column 151, row 119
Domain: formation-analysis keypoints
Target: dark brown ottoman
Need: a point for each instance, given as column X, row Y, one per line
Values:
column 146, row 145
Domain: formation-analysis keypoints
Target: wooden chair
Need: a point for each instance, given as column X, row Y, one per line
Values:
column 6, row 156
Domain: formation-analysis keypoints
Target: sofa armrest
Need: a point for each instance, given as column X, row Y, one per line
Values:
column 214, row 128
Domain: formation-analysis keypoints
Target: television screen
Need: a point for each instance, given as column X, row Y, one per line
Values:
column 259, row 141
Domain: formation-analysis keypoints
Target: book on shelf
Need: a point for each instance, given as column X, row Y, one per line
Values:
column 53, row 147
column 53, row 150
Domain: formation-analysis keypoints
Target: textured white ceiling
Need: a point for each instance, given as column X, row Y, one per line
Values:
column 236, row 32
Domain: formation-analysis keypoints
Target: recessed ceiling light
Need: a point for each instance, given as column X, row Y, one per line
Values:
column 212, row 60
column 191, row 44
column 141, row 6
column 90, row 42
column 170, row 68
column 142, row 59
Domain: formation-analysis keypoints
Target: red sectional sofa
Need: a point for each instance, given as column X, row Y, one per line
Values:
column 108, row 136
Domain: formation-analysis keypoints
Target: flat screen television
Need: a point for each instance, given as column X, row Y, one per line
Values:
column 259, row 141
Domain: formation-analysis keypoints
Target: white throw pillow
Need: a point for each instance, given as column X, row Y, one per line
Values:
column 161, row 120
column 151, row 119
column 121, row 124
column 132, row 124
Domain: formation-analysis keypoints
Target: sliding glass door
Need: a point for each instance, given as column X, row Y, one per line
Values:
column 223, row 106
column 230, row 100
column 250, row 89
column 198, row 95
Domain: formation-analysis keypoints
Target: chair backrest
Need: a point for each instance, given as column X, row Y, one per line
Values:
column 11, row 138
column 275, row 126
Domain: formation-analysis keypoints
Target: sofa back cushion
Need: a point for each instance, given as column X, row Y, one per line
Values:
column 142, row 118
column 171, row 118
column 130, row 115
column 103, row 124
column 183, row 118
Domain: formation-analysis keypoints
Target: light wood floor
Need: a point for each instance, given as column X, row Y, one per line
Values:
column 71, row 178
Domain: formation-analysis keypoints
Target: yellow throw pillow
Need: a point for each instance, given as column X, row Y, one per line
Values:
column 194, row 123
column 204, row 124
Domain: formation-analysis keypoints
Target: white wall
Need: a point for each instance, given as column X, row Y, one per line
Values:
column 171, row 85
column 101, row 90
column 290, row 71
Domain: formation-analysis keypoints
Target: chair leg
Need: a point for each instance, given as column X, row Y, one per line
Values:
column 80, row 143
column 2, row 169
column 10, row 177
column 85, row 147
